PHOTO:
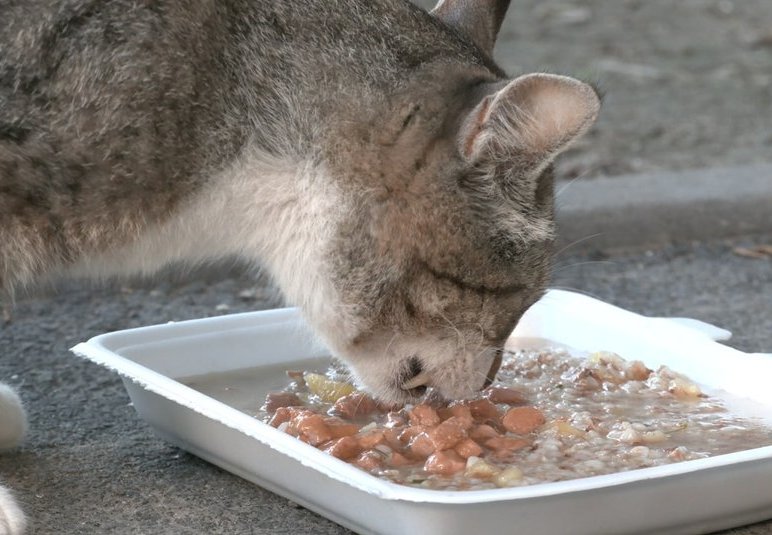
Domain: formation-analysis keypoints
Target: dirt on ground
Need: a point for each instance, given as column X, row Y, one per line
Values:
column 687, row 84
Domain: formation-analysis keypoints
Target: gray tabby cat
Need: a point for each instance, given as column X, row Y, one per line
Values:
column 371, row 156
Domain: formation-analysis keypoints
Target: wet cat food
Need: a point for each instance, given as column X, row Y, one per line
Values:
column 550, row 416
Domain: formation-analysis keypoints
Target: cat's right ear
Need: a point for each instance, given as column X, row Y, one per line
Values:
column 532, row 119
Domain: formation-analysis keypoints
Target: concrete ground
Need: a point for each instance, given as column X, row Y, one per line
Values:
column 89, row 465
column 687, row 86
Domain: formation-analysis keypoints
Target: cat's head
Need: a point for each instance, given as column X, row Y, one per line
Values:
column 448, row 236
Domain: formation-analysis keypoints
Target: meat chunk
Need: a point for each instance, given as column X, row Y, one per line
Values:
column 522, row 420
column 447, row 434
column 312, row 429
column 276, row 400
column 445, row 463
column 483, row 410
column 424, row 415
column 502, row 394
column 354, row 406
column 468, row 448
column 344, row 448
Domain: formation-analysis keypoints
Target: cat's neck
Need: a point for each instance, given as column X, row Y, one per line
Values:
column 279, row 212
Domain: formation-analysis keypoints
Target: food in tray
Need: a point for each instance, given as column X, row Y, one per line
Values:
column 550, row 416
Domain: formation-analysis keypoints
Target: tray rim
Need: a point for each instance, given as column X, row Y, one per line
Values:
column 99, row 349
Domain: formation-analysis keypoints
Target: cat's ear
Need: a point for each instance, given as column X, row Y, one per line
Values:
column 532, row 118
column 479, row 20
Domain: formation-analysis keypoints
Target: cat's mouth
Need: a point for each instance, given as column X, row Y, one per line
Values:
column 416, row 380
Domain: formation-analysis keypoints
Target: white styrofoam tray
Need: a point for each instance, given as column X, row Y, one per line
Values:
column 690, row 497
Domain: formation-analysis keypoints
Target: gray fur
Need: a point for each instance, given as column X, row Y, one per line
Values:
column 117, row 114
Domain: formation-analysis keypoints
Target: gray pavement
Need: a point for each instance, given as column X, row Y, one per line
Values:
column 89, row 465
column 667, row 207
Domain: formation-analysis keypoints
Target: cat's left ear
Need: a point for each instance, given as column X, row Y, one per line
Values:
column 532, row 118
column 479, row 20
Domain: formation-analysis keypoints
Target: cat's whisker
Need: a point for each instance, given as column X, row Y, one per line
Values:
column 483, row 376
column 388, row 346
column 585, row 263
column 486, row 375
column 570, row 183
column 479, row 325
column 459, row 335
column 577, row 242
column 576, row 290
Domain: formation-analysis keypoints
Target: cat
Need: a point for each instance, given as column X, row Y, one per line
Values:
column 370, row 155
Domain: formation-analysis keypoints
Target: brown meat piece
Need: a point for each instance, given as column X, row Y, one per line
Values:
column 409, row 433
column 369, row 460
column 344, row 448
column 312, row 429
column 483, row 432
column 339, row 428
column 397, row 459
column 502, row 394
column 445, row 463
column 468, row 448
column 421, row 446
column 504, row 446
column 483, row 410
column 282, row 414
column 447, row 434
column 355, row 405
column 392, row 438
column 276, row 400
column 637, row 371
column 461, row 411
column 424, row 415
column 522, row 420
column 395, row 419
column 370, row 439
